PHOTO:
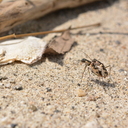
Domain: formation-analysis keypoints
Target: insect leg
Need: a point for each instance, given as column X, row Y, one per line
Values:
column 108, row 66
column 83, row 72
column 109, row 73
column 89, row 73
column 110, row 78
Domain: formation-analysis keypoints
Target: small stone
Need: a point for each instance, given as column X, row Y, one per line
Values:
column 101, row 50
column 73, row 107
column 48, row 104
column 91, row 98
column 4, row 97
column 98, row 115
column 57, row 111
column 117, row 42
column 8, row 85
column 12, row 81
column 12, row 112
column 126, row 79
column 121, row 70
column 42, row 98
column 97, row 106
column 125, row 73
column 30, row 78
column 43, row 113
column 1, row 84
column 48, row 89
column 3, row 78
column 4, row 120
column 33, row 108
column 13, row 125
column 23, row 102
column 119, row 24
column 87, row 34
column 92, row 124
column 80, row 93
column 78, row 84
column 18, row 87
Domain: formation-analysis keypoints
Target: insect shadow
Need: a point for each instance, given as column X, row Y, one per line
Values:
column 104, row 84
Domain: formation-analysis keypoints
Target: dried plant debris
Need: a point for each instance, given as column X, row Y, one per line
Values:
column 27, row 50
column 60, row 44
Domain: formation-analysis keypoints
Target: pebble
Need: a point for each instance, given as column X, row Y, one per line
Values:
column 30, row 78
column 4, row 120
column 12, row 81
column 125, row 73
column 57, row 111
column 117, row 42
column 80, row 93
column 33, row 108
column 3, row 78
column 126, row 79
column 87, row 34
column 42, row 98
column 73, row 107
column 91, row 98
column 48, row 89
column 101, row 50
column 8, row 85
column 78, row 84
column 92, row 124
column 1, row 84
column 18, row 87
column 121, row 70
column 13, row 125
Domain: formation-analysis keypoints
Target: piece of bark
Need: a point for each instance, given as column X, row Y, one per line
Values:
column 60, row 44
column 15, row 12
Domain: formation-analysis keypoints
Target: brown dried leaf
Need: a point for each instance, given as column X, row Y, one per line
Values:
column 60, row 44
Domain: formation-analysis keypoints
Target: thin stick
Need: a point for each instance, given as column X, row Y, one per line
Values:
column 45, row 32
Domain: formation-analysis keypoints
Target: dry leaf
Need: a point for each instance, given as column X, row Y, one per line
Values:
column 27, row 50
column 60, row 44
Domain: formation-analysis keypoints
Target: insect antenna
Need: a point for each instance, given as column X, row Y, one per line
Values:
column 108, row 66
column 87, row 55
column 87, row 63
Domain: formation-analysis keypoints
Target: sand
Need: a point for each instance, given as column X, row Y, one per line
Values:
column 46, row 94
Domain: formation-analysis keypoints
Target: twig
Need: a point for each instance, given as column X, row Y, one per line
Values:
column 45, row 32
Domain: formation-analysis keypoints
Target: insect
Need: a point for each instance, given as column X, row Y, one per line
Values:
column 96, row 67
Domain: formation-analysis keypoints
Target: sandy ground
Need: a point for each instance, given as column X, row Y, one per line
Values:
column 45, row 94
